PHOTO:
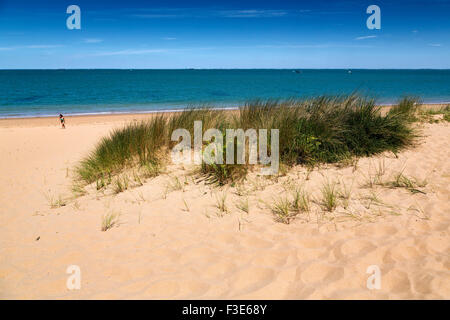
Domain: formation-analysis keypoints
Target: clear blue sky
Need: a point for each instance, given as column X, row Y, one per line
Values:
column 224, row 34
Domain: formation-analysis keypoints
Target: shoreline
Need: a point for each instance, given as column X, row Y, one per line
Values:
column 105, row 118
column 106, row 113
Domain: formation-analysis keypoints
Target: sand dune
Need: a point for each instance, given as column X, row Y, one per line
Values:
column 173, row 242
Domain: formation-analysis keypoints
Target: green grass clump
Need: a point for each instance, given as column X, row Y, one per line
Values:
column 243, row 205
column 221, row 202
column 109, row 220
column 301, row 200
column 150, row 170
column 345, row 193
column 429, row 115
column 125, row 147
column 221, row 174
column 407, row 108
column 174, row 185
column 282, row 210
column 55, row 201
column 447, row 117
column 286, row 210
column 121, row 183
column 312, row 131
column 331, row 129
column 78, row 190
column 411, row 184
column 329, row 196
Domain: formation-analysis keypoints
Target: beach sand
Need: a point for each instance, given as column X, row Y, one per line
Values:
column 172, row 242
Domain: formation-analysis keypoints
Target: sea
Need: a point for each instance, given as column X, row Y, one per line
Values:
column 44, row 93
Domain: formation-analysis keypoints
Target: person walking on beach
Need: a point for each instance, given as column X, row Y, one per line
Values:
column 63, row 122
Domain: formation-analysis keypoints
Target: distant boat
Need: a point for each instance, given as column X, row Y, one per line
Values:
column 349, row 71
column 296, row 71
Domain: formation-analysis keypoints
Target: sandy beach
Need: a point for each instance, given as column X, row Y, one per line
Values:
column 173, row 242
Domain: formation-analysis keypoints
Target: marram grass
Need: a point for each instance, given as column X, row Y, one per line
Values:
column 319, row 130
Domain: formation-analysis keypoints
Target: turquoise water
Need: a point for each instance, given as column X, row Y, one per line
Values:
column 50, row 92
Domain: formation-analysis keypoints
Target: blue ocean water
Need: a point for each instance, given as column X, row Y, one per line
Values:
column 50, row 92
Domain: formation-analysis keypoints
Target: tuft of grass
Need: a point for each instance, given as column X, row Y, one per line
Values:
column 380, row 171
column 55, row 202
column 121, row 183
column 329, row 196
column 296, row 198
column 430, row 115
column 283, row 170
column 150, row 170
column 243, row 205
column 447, row 116
column 100, row 183
column 59, row 202
column 174, row 185
column 282, row 210
column 134, row 144
column 222, row 174
column 375, row 178
column 411, row 184
column 78, row 190
column 309, row 170
column 221, row 202
column 373, row 198
column 407, row 108
column 301, row 200
column 305, row 202
column 348, row 161
column 345, row 193
column 420, row 212
column 137, row 179
column 241, row 189
column 109, row 220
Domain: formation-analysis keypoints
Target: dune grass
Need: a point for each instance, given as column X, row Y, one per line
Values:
column 56, row 202
column 78, row 190
column 221, row 200
column 403, row 181
column 329, row 196
column 301, row 200
column 121, row 183
column 243, row 205
column 345, row 193
column 430, row 114
column 319, row 130
column 447, row 116
column 282, row 210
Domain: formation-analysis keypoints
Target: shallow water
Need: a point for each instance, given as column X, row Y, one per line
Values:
column 50, row 92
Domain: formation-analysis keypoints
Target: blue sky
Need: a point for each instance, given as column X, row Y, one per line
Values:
column 224, row 34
